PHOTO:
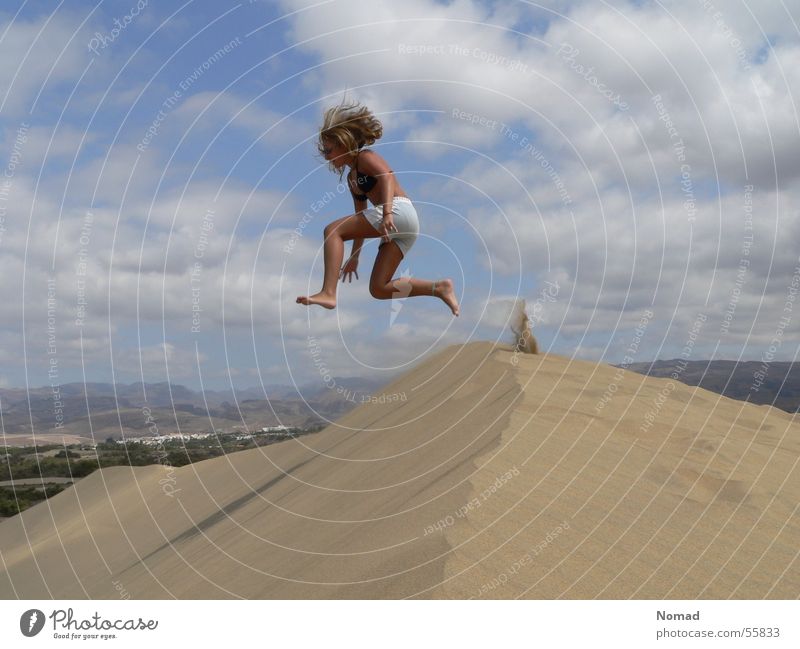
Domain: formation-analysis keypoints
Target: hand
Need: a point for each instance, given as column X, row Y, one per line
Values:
column 349, row 269
column 388, row 226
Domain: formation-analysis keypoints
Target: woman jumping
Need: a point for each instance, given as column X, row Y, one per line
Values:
column 346, row 130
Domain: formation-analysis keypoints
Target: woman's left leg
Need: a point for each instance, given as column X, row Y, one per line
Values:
column 355, row 226
column 383, row 287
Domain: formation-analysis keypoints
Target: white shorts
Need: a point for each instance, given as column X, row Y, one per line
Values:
column 405, row 220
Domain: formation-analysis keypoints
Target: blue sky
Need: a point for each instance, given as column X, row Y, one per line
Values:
column 504, row 126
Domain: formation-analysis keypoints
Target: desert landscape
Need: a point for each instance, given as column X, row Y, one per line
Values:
column 503, row 475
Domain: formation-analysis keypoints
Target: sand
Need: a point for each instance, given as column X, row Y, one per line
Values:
column 500, row 475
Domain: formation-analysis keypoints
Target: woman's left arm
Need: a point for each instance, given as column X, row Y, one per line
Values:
column 376, row 166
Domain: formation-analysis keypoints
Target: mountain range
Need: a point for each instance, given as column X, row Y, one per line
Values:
column 772, row 384
column 95, row 411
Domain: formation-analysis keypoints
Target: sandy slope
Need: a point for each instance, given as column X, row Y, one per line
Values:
column 498, row 476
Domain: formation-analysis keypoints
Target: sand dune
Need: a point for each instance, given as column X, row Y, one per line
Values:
column 499, row 476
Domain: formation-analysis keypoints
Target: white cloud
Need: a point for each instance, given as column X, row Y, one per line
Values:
column 597, row 204
column 38, row 55
column 216, row 111
column 39, row 145
column 621, row 232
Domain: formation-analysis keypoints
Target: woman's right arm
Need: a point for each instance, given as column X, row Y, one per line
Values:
column 351, row 263
column 360, row 206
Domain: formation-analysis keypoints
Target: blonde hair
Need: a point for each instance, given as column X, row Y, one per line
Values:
column 351, row 126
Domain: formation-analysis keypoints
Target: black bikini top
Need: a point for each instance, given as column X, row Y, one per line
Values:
column 364, row 182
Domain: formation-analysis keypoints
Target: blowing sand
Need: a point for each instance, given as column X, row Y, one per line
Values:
column 502, row 475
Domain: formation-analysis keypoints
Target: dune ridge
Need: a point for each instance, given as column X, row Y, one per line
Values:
column 501, row 475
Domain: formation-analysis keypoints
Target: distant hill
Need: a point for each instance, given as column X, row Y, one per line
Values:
column 780, row 387
column 96, row 411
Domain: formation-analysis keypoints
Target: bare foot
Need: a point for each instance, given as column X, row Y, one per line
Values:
column 444, row 291
column 323, row 299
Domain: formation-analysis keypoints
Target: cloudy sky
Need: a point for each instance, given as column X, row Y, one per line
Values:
column 630, row 169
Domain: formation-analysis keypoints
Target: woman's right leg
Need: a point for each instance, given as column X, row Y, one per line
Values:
column 383, row 287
